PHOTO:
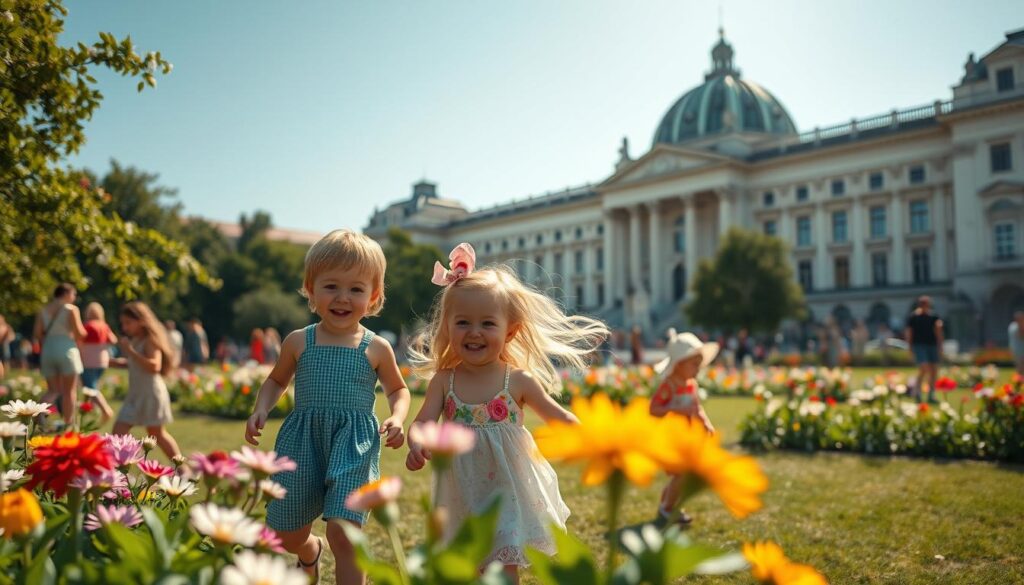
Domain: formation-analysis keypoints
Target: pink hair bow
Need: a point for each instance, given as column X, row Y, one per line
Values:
column 462, row 261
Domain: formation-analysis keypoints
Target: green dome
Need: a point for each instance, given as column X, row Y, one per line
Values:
column 723, row 103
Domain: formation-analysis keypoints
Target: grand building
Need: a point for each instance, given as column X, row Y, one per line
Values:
column 876, row 211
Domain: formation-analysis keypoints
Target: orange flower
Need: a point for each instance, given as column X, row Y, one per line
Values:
column 769, row 565
column 19, row 513
column 246, row 390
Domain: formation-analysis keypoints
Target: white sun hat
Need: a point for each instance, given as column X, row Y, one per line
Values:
column 685, row 345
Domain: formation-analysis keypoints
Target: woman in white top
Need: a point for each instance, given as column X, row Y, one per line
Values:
column 59, row 327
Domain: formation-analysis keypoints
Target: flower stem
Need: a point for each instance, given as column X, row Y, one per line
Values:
column 396, row 544
column 75, row 502
column 616, row 486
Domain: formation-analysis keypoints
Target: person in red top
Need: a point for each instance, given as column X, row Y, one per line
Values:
column 678, row 393
column 256, row 346
column 95, row 349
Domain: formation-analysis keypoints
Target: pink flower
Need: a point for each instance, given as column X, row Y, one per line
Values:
column 462, row 261
column 449, row 408
column 497, row 409
column 269, row 540
column 154, row 469
column 126, row 449
column 263, row 463
column 126, row 515
column 104, row 480
column 375, row 494
column 215, row 465
column 446, row 438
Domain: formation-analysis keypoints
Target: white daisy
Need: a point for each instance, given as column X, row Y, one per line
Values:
column 256, row 569
column 225, row 525
column 12, row 429
column 25, row 408
column 272, row 489
column 176, row 486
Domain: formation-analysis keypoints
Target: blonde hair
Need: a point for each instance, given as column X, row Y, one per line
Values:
column 346, row 249
column 541, row 332
column 94, row 310
column 154, row 332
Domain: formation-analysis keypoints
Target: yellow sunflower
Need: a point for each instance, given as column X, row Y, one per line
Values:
column 769, row 565
column 608, row 438
column 738, row 480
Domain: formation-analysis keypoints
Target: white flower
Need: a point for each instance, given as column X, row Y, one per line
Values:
column 10, row 477
column 25, row 408
column 773, row 406
column 272, row 489
column 149, row 443
column 812, row 408
column 880, row 390
column 175, row 486
column 225, row 525
column 863, row 395
column 256, row 569
column 12, row 429
column 908, row 408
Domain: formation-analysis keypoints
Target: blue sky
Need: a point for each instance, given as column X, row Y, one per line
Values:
column 319, row 111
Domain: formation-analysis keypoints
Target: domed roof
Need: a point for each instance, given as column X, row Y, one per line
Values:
column 723, row 103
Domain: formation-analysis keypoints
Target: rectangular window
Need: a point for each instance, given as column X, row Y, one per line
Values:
column 600, row 294
column 803, row 231
column 838, row 187
column 540, row 239
column 599, row 261
column 578, row 261
column 769, row 228
column 600, row 229
column 579, row 233
column 1004, row 79
column 842, row 268
column 839, row 227
column 558, row 263
column 539, row 263
column 918, row 217
column 875, row 181
column 1006, row 244
column 922, row 266
column 768, row 198
column 916, row 174
column 558, row 235
column 879, row 269
column 802, row 193
column 579, row 297
column 522, row 243
column 999, row 154
column 806, row 275
column 679, row 240
column 877, row 213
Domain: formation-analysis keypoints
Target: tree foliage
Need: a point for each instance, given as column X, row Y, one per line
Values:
column 407, row 282
column 748, row 284
column 53, row 222
column 269, row 306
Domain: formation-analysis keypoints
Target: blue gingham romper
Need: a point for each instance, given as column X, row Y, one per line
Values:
column 331, row 435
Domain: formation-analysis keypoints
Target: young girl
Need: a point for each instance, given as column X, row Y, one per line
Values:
column 490, row 341
column 678, row 393
column 95, row 349
column 333, row 434
column 147, row 354
column 58, row 327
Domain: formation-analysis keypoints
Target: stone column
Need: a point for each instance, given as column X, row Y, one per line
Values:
column 658, row 268
column 724, row 213
column 589, row 299
column 635, row 280
column 611, row 241
column 690, row 236
column 940, row 266
column 898, row 270
column 785, row 233
column 820, row 249
column 858, row 264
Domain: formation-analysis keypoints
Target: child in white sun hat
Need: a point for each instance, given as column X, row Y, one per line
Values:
column 678, row 393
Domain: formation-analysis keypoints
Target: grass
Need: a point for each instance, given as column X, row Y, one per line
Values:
column 859, row 519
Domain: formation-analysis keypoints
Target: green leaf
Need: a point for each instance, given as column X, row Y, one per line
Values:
column 573, row 563
column 379, row 572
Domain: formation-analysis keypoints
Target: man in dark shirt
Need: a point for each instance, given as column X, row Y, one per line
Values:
column 924, row 334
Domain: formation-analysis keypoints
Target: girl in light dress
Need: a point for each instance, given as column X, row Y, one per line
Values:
column 488, row 350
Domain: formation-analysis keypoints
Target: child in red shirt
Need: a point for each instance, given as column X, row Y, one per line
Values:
column 678, row 393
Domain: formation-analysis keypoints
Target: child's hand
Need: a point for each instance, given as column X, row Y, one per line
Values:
column 254, row 425
column 392, row 428
column 417, row 458
column 708, row 426
column 124, row 344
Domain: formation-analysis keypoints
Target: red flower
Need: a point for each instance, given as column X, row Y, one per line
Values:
column 978, row 387
column 945, row 384
column 69, row 456
column 449, row 408
column 1017, row 400
column 922, row 408
column 497, row 409
column 830, row 401
column 246, row 390
column 815, row 398
column 86, row 407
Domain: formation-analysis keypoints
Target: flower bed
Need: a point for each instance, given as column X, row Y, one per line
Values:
column 879, row 421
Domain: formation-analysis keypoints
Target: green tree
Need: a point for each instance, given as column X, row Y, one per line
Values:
column 748, row 284
column 407, row 282
column 269, row 306
column 51, row 218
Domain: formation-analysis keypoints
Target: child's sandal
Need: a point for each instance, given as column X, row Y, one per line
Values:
column 314, row 563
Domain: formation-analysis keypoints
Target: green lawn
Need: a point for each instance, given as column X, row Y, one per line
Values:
column 858, row 519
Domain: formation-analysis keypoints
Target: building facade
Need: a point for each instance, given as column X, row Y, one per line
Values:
column 876, row 211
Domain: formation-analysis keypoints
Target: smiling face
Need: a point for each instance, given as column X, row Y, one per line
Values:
column 477, row 326
column 342, row 296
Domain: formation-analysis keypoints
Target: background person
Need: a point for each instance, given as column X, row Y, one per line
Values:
column 1016, row 331
column 924, row 335
column 58, row 328
column 95, row 349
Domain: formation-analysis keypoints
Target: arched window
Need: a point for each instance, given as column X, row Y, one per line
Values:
column 678, row 282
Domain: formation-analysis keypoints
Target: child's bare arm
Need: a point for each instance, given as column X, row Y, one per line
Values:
column 429, row 411
column 394, row 389
column 274, row 386
column 534, row 396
